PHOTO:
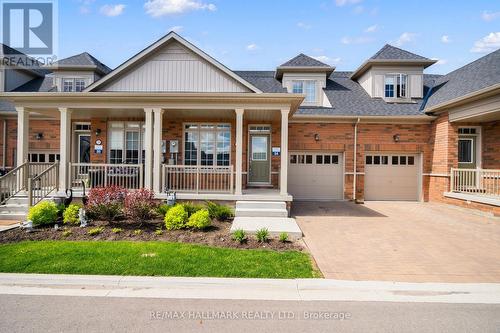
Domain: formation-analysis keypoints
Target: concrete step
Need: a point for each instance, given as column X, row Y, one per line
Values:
column 18, row 200
column 260, row 204
column 275, row 225
column 16, row 216
column 14, row 207
column 261, row 212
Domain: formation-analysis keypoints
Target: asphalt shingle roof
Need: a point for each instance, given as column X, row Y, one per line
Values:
column 264, row 80
column 389, row 52
column 33, row 64
column 84, row 59
column 42, row 84
column 477, row 75
column 303, row 60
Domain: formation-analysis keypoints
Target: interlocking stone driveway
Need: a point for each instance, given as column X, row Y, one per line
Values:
column 400, row 241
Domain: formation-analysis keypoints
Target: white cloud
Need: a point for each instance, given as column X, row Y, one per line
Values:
column 371, row 28
column 490, row 16
column 341, row 3
column 440, row 61
column 445, row 39
column 85, row 6
column 157, row 8
column 356, row 40
column 327, row 60
column 176, row 28
column 112, row 10
column 303, row 25
column 489, row 43
column 252, row 47
column 405, row 37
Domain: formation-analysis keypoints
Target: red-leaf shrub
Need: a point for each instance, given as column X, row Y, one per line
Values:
column 106, row 202
column 140, row 205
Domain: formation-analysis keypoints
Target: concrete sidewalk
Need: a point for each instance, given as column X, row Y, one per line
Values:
column 247, row 289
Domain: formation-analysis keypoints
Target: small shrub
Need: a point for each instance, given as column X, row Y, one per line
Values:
column 116, row 230
column 239, row 236
column 200, row 220
column 95, row 231
column 106, row 202
column 140, row 205
column 67, row 233
column 70, row 214
column 262, row 235
column 159, row 232
column 219, row 212
column 176, row 218
column 163, row 209
column 44, row 212
column 191, row 208
column 137, row 232
column 283, row 237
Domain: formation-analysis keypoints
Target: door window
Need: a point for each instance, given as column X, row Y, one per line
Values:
column 465, row 150
column 84, row 149
column 259, row 148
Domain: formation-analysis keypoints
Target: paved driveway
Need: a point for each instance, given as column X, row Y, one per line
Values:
column 400, row 241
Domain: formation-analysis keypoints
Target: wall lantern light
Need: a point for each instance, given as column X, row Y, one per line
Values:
column 316, row 137
column 39, row 136
column 98, row 132
column 396, row 137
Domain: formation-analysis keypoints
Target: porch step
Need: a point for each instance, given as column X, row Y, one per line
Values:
column 12, row 216
column 261, row 212
column 260, row 205
column 14, row 207
column 275, row 225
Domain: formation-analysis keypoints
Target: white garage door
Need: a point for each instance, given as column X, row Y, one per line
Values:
column 391, row 177
column 315, row 176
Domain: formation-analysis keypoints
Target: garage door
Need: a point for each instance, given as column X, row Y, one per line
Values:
column 315, row 176
column 391, row 177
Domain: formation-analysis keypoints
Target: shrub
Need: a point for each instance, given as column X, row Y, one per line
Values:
column 239, row 236
column 159, row 232
column 262, row 235
column 283, row 237
column 176, row 218
column 44, row 212
column 95, row 231
column 163, row 209
column 140, row 205
column 137, row 232
column 106, row 202
column 116, row 230
column 191, row 208
column 70, row 214
column 219, row 212
column 67, row 233
column 200, row 220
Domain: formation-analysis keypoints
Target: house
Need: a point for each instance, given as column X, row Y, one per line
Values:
column 172, row 118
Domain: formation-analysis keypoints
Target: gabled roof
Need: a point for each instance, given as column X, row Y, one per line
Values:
column 469, row 79
column 264, row 80
column 391, row 55
column 303, row 63
column 82, row 61
column 41, row 84
column 34, row 66
column 171, row 36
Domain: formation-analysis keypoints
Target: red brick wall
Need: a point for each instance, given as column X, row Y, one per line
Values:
column 491, row 145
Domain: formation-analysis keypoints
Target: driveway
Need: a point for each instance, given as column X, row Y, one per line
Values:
column 400, row 241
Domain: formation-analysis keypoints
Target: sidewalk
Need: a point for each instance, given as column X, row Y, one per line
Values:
column 247, row 289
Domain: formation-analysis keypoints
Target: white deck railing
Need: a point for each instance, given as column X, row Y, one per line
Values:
column 198, row 179
column 128, row 176
column 475, row 181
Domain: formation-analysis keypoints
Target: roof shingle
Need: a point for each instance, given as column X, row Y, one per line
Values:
column 389, row 52
column 303, row 60
column 84, row 59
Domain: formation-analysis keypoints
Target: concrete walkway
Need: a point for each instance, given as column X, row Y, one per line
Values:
column 246, row 289
column 8, row 224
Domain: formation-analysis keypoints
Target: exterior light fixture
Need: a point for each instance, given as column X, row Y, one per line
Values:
column 39, row 136
column 396, row 137
column 98, row 132
column 316, row 137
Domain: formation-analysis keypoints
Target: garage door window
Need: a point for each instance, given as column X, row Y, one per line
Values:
column 318, row 159
column 384, row 160
column 377, row 160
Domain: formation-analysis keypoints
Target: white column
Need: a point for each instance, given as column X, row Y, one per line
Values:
column 284, row 152
column 157, row 153
column 23, row 119
column 64, row 148
column 239, row 151
column 148, row 147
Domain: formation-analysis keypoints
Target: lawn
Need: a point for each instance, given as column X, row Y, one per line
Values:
column 151, row 259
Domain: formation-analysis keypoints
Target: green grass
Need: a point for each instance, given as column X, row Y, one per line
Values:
column 151, row 259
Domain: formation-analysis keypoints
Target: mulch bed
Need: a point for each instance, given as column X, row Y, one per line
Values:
column 217, row 235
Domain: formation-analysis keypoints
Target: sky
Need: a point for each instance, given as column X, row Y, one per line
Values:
column 261, row 34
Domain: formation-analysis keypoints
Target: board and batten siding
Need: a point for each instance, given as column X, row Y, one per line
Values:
column 174, row 68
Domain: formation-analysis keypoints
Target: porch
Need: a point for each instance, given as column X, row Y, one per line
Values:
column 477, row 185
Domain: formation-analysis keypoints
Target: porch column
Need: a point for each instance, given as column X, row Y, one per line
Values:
column 23, row 119
column 157, row 153
column 239, row 151
column 65, row 149
column 284, row 152
column 148, row 147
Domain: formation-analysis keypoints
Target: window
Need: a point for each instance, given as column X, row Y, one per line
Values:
column 125, row 143
column 207, row 144
column 82, row 127
column 319, row 159
column 309, row 159
column 395, row 160
column 466, row 130
column 43, row 157
column 68, row 85
column 293, row 159
column 307, row 87
column 79, row 85
column 396, row 85
column 465, row 150
column 71, row 85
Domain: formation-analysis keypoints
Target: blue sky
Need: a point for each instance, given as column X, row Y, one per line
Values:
column 263, row 34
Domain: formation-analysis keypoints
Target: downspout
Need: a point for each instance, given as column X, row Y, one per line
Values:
column 355, row 160
column 4, row 146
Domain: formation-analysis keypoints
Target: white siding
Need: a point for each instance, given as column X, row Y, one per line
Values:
column 366, row 81
column 377, row 74
column 176, row 69
column 378, row 81
column 416, row 86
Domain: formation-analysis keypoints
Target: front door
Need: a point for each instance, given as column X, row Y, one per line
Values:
column 83, row 148
column 260, row 161
column 467, row 146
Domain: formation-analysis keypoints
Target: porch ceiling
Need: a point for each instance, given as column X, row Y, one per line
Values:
column 482, row 117
column 253, row 115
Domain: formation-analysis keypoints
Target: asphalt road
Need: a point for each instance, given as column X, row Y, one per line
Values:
column 21, row 313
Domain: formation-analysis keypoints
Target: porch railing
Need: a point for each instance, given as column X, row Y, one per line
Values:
column 42, row 184
column 128, row 176
column 475, row 181
column 198, row 179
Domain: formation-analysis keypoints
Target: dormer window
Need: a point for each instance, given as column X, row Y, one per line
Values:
column 307, row 87
column 395, row 85
column 71, row 85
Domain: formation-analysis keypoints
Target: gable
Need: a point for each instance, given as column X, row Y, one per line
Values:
column 174, row 68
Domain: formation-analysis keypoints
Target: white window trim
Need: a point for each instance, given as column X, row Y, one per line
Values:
column 198, row 153
column 316, row 92
column 472, row 150
column 125, row 129
column 479, row 144
column 395, row 76
column 73, row 83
